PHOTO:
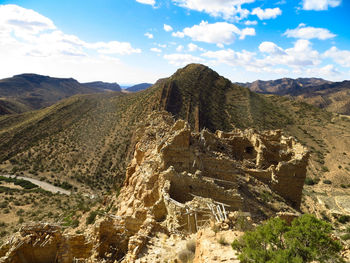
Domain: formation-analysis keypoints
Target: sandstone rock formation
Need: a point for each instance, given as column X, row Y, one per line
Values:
column 179, row 181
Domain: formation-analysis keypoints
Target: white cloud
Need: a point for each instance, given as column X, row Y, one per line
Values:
column 147, row 2
column 301, row 55
column 162, row 45
column 182, row 59
column 179, row 48
column 325, row 72
column 268, row 13
column 304, row 32
column 249, row 31
column 250, row 23
column 272, row 48
column 167, row 28
column 193, row 47
column 30, row 42
column 218, row 33
column 178, row 34
column 342, row 57
column 149, row 35
column 20, row 20
column 320, row 4
column 115, row 47
column 157, row 50
column 231, row 57
column 228, row 9
column 271, row 59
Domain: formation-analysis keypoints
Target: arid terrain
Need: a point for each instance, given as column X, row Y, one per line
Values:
column 144, row 168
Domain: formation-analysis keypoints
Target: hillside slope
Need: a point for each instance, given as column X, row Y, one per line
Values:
column 139, row 87
column 30, row 91
column 103, row 85
column 283, row 86
column 87, row 140
column 331, row 96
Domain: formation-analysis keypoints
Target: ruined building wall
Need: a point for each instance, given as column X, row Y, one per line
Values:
column 177, row 182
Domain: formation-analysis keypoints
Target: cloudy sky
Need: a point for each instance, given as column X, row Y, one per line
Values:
column 132, row 41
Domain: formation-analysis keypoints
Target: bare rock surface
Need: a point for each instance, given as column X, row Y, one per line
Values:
column 178, row 183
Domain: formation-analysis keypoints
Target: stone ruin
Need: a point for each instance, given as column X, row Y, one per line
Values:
column 178, row 181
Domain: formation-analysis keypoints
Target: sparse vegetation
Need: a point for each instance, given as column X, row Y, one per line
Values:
column 23, row 183
column 344, row 219
column 327, row 181
column 91, row 217
column 185, row 256
column 311, row 181
column 307, row 239
column 222, row 241
column 191, row 245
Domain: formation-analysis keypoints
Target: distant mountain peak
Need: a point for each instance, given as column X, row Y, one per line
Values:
column 103, row 85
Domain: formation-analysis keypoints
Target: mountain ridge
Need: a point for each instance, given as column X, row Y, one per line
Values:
column 88, row 140
column 28, row 91
column 103, row 85
column 331, row 96
column 139, row 87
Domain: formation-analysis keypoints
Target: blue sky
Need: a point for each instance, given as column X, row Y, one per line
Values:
column 132, row 41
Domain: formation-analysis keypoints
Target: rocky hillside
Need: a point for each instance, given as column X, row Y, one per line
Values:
column 331, row 96
column 139, row 87
column 177, row 183
column 87, row 141
column 285, row 86
column 103, row 86
column 30, row 91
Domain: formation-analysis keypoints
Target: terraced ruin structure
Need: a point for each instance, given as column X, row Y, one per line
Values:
column 177, row 183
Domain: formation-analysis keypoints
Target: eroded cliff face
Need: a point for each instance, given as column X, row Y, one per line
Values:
column 177, row 183
column 178, row 179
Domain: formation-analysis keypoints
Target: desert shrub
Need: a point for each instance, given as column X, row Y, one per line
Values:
column 222, row 241
column 327, row 181
column 4, row 204
column 3, row 233
column 20, row 212
column 23, row 183
column 309, row 181
column 185, row 256
column 307, row 239
column 324, row 169
column 344, row 219
column 191, row 245
column 91, row 217
column 345, row 236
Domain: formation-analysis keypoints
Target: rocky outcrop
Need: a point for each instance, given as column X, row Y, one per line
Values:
column 41, row 243
column 179, row 180
column 177, row 183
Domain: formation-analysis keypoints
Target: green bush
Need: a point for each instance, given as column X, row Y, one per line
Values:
column 344, row 219
column 345, row 236
column 324, row 169
column 307, row 239
column 91, row 217
column 310, row 181
column 327, row 181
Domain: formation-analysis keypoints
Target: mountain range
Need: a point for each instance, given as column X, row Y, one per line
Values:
column 139, row 87
column 31, row 91
column 87, row 136
column 331, row 96
column 86, row 141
